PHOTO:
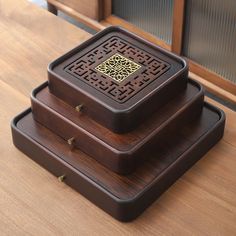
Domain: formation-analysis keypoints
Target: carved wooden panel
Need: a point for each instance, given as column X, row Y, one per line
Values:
column 133, row 70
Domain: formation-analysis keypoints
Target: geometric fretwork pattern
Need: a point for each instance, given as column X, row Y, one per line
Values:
column 85, row 68
column 118, row 67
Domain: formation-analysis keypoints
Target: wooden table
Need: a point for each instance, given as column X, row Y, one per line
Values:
column 32, row 201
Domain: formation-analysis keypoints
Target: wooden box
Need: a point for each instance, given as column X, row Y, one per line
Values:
column 117, row 79
column 119, row 152
column 119, row 121
column 123, row 197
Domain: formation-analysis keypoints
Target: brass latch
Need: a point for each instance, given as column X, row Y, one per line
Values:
column 71, row 142
column 61, row 178
column 79, row 107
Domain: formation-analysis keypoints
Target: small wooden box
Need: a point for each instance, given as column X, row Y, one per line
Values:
column 119, row 152
column 117, row 78
column 123, row 197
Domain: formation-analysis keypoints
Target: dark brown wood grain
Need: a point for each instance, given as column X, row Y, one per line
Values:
column 119, row 106
column 119, row 152
column 124, row 197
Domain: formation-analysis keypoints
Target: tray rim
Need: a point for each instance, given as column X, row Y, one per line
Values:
column 129, row 109
column 128, row 152
column 131, row 207
column 221, row 121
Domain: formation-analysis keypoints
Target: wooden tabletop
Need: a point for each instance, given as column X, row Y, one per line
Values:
column 34, row 202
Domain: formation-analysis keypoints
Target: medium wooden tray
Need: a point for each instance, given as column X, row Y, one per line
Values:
column 123, row 197
column 119, row 152
column 117, row 78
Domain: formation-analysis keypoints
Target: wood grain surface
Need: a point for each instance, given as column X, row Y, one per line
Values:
column 119, row 152
column 34, row 202
column 124, row 187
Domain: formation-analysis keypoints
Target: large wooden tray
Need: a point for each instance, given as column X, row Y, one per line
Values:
column 123, row 197
column 117, row 78
column 119, row 152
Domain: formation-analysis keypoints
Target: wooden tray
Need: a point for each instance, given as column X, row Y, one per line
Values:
column 123, row 197
column 119, row 152
column 117, row 78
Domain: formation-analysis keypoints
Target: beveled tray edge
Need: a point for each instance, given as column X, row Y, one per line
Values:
column 191, row 101
column 183, row 71
column 125, row 158
column 123, row 210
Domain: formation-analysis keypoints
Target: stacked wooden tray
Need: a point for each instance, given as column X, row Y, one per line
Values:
column 119, row 121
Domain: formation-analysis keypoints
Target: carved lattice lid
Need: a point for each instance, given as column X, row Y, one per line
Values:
column 116, row 70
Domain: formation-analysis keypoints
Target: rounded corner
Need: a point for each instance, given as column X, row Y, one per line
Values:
column 198, row 85
column 15, row 120
column 220, row 112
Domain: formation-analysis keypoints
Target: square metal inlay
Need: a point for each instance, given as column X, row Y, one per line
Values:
column 118, row 67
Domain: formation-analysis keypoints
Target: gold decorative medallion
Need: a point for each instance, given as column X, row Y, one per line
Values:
column 118, row 67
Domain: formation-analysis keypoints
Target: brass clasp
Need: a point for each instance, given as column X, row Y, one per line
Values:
column 71, row 142
column 79, row 107
column 61, row 178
